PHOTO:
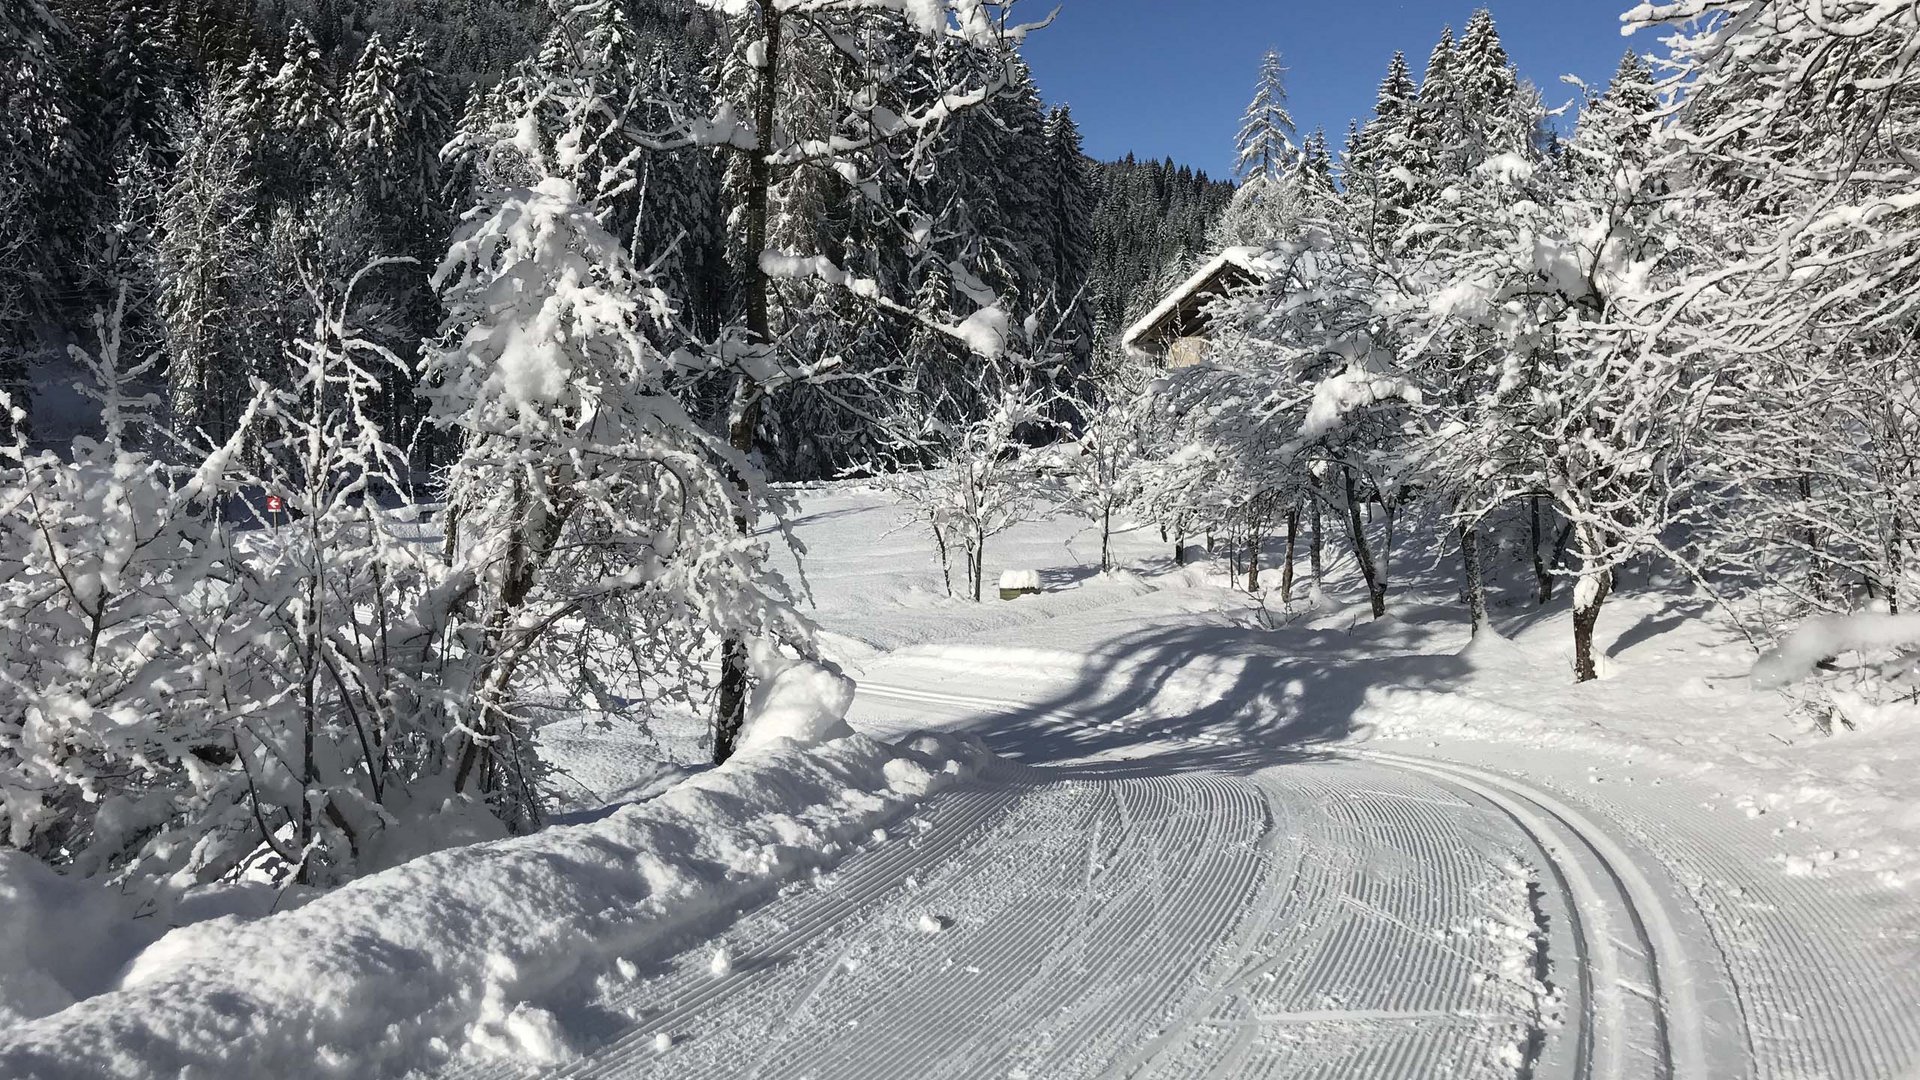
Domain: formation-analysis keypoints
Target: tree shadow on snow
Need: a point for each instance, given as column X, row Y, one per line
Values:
column 1219, row 697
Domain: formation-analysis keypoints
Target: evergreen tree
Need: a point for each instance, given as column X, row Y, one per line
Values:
column 371, row 120
column 306, row 124
column 1265, row 145
column 207, row 270
column 37, row 156
column 1316, row 161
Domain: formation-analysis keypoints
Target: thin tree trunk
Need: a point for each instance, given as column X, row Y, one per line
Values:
column 1542, row 572
column 1106, row 538
column 946, row 559
column 1286, row 568
column 1253, row 556
column 731, row 714
column 1476, row 589
column 1179, row 548
column 1316, row 549
column 1896, row 565
column 1362, row 551
column 978, row 569
column 1816, row 570
column 1557, row 560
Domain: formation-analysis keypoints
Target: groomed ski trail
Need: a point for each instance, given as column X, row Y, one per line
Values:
column 1364, row 912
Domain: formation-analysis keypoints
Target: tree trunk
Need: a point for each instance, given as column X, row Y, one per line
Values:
column 1253, row 557
column 1362, row 551
column 1316, row 549
column 1817, row 582
column 946, row 558
column 1179, row 549
column 1106, row 538
column 1896, row 565
column 1476, row 589
column 1588, row 597
column 1542, row 571
column 978, row 567
column 1286, row 568
column 731, row 714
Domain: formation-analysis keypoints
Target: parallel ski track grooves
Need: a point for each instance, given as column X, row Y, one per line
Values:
column 1350, row 902
column 965, row 812
column 1036, row 944
column 1562, row 832
column 1866, row 1025
column 856, row 884
column 1308, row 945
column 1797, row 999
column 1362, row 951
column 1177, row 863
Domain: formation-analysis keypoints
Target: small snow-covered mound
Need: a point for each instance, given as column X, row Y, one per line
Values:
column 794, row 701
column 56, row 938
column 458, row 948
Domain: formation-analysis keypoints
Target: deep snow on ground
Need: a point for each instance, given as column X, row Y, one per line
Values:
column 1223, row 836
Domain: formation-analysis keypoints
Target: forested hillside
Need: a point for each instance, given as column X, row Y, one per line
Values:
column 586, row 274
column 215, row 160
column 1151, row 223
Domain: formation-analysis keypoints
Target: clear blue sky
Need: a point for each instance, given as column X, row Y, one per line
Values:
column 1172, row 77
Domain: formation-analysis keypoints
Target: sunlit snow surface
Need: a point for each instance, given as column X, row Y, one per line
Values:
column 1221, row 837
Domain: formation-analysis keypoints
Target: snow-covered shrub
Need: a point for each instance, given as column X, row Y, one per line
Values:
column 592, row 525
column 117, row 725
column 967, row 480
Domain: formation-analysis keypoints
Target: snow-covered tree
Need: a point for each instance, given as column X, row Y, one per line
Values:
column 1265, row 145
column 116, row 735
column 1108, row 451
column 207, row 265
column 583, row 493
column 968, row 481
column 1796, row 125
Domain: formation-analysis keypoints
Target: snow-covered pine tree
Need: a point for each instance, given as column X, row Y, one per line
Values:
column 305, row 134
column 1265, row 145
column 1316, row 161
column 1071, row 217
column 370, row 115
column 207, row 269
column 1377, row 172
column 36, row 158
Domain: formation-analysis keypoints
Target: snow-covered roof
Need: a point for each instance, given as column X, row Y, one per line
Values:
column 1248, row 259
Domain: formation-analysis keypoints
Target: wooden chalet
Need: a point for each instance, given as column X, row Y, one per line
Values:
column 1176, row 330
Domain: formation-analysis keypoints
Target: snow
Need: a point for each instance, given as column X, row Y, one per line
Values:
column 794, row 702
column 1825, row 638
column 1284, row 794
column 1246, row 258
column 985, row 331
column 57, row 941
column 459, row 946
column 1507, row 168
column 1020, row 579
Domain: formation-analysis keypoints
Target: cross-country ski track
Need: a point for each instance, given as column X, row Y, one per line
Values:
column 1205, row 909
